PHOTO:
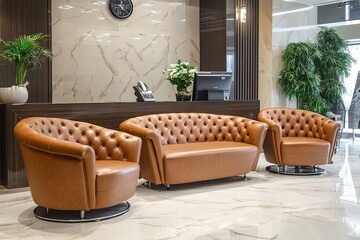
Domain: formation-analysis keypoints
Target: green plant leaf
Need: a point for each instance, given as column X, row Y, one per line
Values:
column 26, row 52
column 311, row 72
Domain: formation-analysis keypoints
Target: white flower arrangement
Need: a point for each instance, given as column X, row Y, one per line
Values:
column 182, row 75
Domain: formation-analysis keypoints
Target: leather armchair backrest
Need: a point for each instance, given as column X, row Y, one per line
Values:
column 296, row 122
column 176, row 128
column 102, row 142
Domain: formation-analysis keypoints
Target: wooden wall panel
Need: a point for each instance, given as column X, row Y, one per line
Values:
column 245, row 40
column 19, row 17
column 212, row 35
column 247, row 52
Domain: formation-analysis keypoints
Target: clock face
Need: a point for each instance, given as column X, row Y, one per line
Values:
column 121, row 8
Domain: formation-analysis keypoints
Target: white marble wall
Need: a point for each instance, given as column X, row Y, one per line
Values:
column 265, row 53
column 288, row 26
column 98, row 58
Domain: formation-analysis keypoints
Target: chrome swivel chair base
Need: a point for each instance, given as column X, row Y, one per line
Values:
column 296, row 170
column 68, row 216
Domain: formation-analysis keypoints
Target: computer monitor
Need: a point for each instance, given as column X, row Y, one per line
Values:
column 212, row 86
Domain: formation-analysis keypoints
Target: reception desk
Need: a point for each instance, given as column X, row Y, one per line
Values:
column 108, row 115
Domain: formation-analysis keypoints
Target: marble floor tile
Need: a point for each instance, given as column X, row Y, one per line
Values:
column 266, row 206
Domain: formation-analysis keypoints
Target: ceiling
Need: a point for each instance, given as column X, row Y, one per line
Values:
column 315, row 2
column 281, row 5
column 307, row 2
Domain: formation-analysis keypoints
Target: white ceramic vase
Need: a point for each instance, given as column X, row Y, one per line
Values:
column 13, row 95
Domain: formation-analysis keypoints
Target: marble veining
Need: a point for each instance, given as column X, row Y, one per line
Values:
column 289, row 27
column 98, row 58
column 267, row 206
column 265, row 54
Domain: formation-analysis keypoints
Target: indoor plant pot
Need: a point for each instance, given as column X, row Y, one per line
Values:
column 13, row 95
column 181, row 98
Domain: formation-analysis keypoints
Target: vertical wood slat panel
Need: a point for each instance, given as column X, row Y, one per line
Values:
column 212, row 35
column 19, row 17
column 246, row 42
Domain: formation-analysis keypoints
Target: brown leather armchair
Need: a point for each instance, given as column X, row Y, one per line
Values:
column 190, row 147
column 298, row 140
column 78, row 166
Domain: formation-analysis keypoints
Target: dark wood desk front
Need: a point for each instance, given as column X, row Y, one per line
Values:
column 108, row 115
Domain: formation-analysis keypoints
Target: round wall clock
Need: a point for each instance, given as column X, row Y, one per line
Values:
column 121, row 8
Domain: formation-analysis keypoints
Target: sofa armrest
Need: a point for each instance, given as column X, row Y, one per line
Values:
column 52, row 145
column 35, row 146
column 125, row 146
column 152, row 151
column 264, row 119
column 331, row 131
column 256, row 132
column 272, row 140
column 144, row 133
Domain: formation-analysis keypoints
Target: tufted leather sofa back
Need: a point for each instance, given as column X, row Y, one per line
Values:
column 296, row 122
column 103, row 142
column 195, row 127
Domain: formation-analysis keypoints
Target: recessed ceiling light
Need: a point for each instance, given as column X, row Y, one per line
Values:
column 292, row 11
column 176, row 4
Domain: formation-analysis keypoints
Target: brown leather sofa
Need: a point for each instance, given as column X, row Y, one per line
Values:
column 189, row 147
column 74, row 165
column 298, row 138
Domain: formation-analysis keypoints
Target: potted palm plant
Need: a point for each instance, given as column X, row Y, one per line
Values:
column 182, row 75
column 27, row 53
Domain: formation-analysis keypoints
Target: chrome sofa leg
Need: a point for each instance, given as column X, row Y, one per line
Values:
column 147, row 184
column 167, row 186
column 82, row 214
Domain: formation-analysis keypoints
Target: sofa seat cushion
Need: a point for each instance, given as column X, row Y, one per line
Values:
column 303, row 151
column 200, row 161
column 116, row 179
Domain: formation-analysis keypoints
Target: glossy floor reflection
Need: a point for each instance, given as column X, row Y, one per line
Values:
column 267, row 206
